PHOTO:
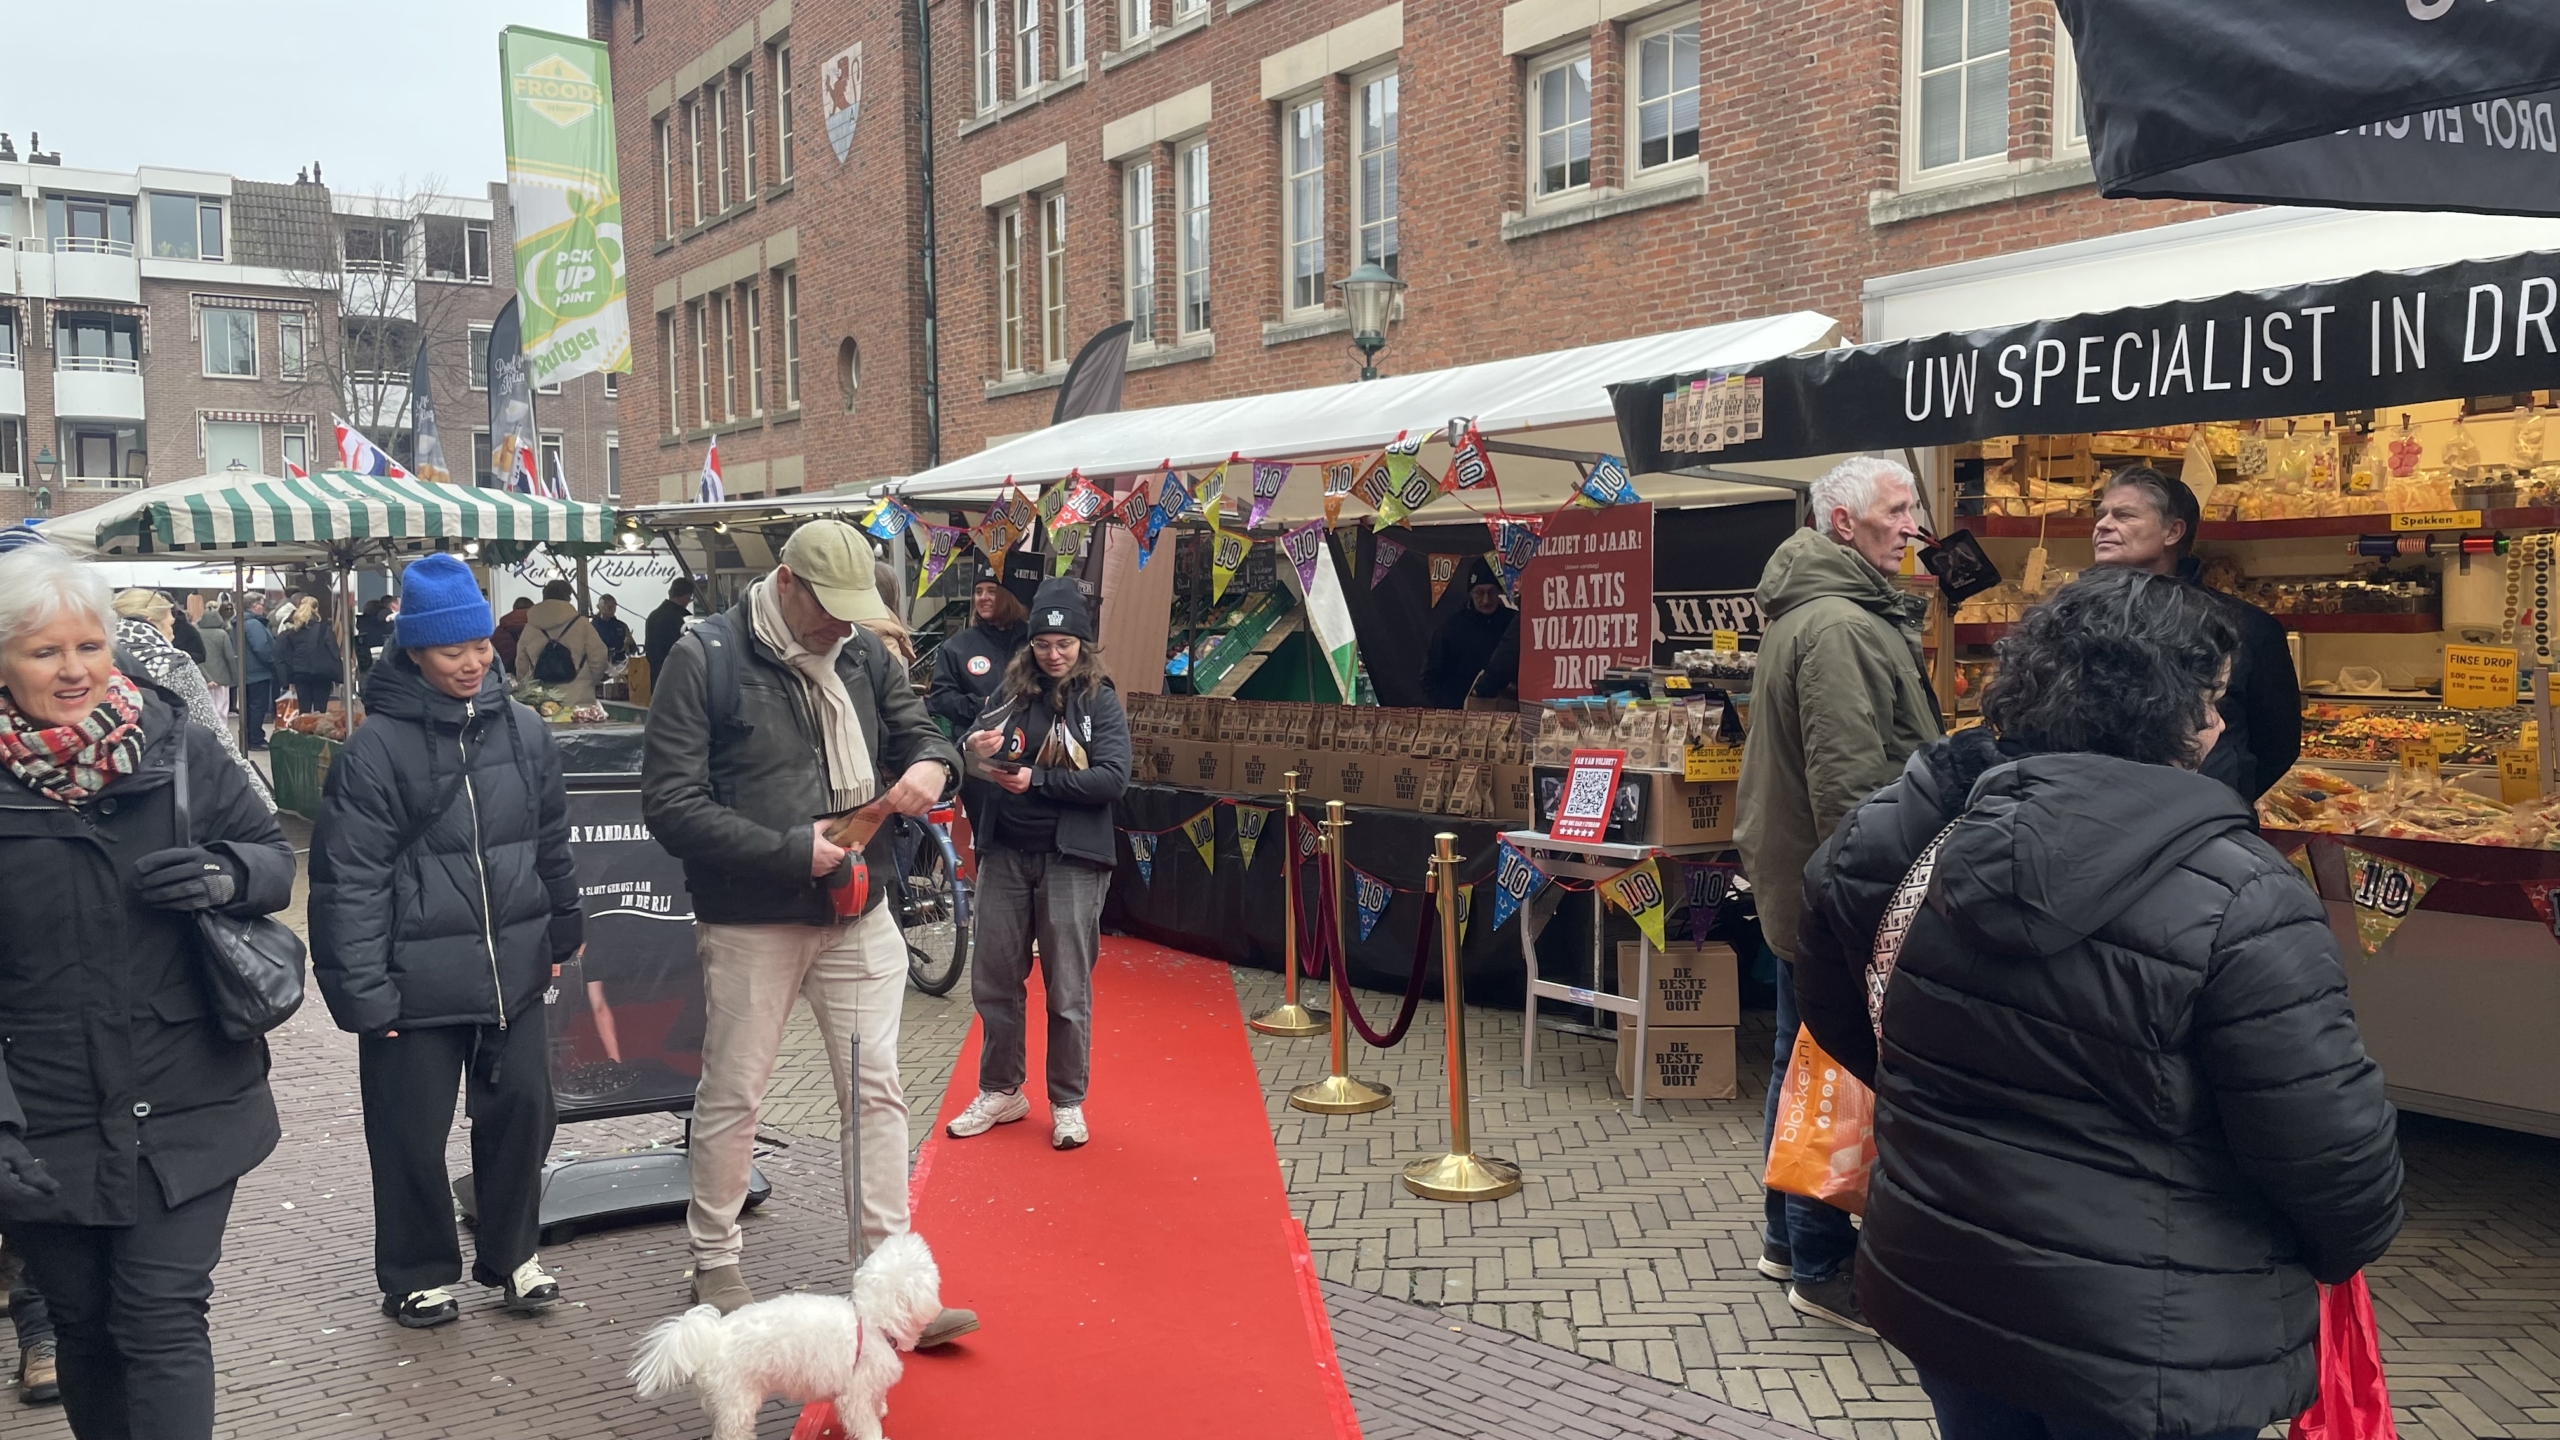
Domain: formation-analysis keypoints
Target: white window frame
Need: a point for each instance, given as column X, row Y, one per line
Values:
column 1637, row 172
column 488, row 253
column 612, row 465
column 785, row 130
column 1191, row 196
column 293, row 360
column 2066, row 97
column 724, row 318
column 204, row 357
column 296, row 438
column 221, row 250
column 1300, row 190
column 1185, row 9
column 701, row 314
column 1138, row 248
column 987, row 16
column 613, row 384
column 1914, row 175
column 755, row 347
column 693, row 138
column 1534, row 111
column 1009, row 318
column 670, row 341
column 1137, row 20
column 1026, row 47
column 1055, row 342
column 720, row 190
column 551, row 457
column 791, row 340
column 1070, row 36
column 744, row 79
column 1362, row 222
column 666, row 125
column 475, row 356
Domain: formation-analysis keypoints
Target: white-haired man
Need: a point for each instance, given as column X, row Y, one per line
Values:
column 1840, row 702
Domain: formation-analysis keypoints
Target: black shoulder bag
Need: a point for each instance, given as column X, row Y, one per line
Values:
column 255, row 963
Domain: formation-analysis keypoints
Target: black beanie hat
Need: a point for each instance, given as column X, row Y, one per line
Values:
column 1059, row 609
column 1480, row 573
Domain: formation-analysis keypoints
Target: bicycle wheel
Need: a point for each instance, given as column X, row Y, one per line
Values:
column 934, row 912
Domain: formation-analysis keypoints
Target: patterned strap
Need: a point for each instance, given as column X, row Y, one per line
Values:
column 1899, row 911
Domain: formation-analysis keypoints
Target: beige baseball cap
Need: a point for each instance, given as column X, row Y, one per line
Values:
column 834, row 560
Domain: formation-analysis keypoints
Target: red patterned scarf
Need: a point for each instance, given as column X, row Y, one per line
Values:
column 72, row 763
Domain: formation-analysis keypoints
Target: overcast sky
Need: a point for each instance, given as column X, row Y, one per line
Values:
column 385, row 94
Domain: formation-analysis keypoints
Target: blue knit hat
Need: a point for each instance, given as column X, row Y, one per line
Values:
column 440, row 604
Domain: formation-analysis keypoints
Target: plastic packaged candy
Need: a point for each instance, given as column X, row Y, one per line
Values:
column 2253, row 452
column 2461, row 453
column 2320, row 460
column 2289, row 459
column 2405, row 451
column 2528, row 437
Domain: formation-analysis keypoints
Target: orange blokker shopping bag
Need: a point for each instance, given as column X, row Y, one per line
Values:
column 1825, row 1142
column 2353, row 1403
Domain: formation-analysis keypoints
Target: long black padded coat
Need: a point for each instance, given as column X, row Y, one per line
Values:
column 2124, row 1116
column 435, row 901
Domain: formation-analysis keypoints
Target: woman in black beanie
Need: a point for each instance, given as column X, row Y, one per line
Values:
column 1054, row 747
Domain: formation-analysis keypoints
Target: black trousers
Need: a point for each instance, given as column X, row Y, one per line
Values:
column 128, row 1308
column 408, row 1084
column 260, row 701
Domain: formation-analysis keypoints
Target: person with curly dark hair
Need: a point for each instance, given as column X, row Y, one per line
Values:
column 2124, row 1119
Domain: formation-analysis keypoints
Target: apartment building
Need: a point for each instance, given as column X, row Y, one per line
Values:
column 1541, row 174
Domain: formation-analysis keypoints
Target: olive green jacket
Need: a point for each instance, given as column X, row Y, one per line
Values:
column 1839, row 701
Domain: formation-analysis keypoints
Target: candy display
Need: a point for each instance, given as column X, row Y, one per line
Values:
column 2333, row 731
column 2409, row 806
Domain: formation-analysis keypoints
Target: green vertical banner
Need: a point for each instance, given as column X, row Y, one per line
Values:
column 567, row 202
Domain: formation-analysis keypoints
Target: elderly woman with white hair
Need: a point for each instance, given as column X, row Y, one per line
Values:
column 145, row 626
column 126, row 1117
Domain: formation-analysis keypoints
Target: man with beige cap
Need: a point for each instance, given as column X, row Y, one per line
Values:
column 768, row 723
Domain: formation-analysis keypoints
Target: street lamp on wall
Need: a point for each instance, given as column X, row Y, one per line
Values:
column 1369, row 296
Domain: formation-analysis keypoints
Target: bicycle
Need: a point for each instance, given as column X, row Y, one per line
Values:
column 932, row 900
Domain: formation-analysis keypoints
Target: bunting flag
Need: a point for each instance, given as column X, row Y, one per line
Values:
column 2298, row 854
column 1444, row 568
column 1515, row 881
column 941, row 542
column 1310, row 839
column 1084, row 502
column 1372, row 895
column 1008, row 520
column 1371, row 488
column 1607, row 484
column 1399, row 456
column 1053, row 498
column 1209, row 497
column 1470, row 464
column 1173, row 494
column 1515, row 544
column 1383, row 558
column 1202, row 831
column 1250, row 820
column 2540, row 892
column 1340, row 477
column 2384, row 892
column 1304, row 546
column 1156, row 521
column 1142, row 847
column 1268, row 477
column 1406, row 495
column 1132, row 511
column 1638, row 891
column 1708, row 885
column 887, row 520
column 1226, row 557
column 1466, row 912
column 1068, row 542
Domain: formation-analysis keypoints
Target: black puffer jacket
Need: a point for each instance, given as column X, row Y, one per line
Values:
column 442, row 888
column 968, row 669
column 109, row 1050
column 2124, row 1117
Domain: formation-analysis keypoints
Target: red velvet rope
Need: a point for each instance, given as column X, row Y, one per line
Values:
column 1329, row 948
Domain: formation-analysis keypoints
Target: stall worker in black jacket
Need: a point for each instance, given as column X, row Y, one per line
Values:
column 443, row 900
column 2148, row 521
column 1054, row 747
column 2124, row 1119
column 126, row 1117
column 665, row 626
column 1466, row 642
column 969, row 667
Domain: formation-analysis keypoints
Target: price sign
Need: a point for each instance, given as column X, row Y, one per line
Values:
column 1675, row 682
column 2519, row 775
column 2419, row 759
column 1590, row 789
column 1713, row 762
column 2479, row 677
column 1724, row 640
column 2437, row 520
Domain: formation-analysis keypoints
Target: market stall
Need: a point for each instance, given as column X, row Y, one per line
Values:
column 2368, row 454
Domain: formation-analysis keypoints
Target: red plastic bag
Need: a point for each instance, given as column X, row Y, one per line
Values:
column 1825, row 1142
column 818, row 1422
column 2354, row 1404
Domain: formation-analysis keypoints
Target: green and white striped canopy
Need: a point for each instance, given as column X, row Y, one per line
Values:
column 333, row 509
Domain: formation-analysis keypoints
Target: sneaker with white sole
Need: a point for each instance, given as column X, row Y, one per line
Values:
column 530, row 1289
column 1066, row 1127
column 991, row 1109
column 422, row 1309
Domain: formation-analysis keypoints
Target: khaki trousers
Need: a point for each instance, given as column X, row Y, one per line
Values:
column 854, row 976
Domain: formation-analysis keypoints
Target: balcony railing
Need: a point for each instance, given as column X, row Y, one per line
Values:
column 86, row 245
column 98, row 364
column 8, row 359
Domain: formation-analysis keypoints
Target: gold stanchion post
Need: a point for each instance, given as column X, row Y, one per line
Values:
column 1338, row 1093
column 1290, row 1018
column 1461, row 1174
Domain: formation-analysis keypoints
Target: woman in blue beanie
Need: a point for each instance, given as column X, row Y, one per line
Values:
column 443, row 900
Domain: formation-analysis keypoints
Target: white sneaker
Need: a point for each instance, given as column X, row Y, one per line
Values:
column 1066, row 1127
column 531, row 1288
column 991, row 1109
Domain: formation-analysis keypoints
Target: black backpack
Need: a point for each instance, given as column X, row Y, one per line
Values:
column 555, row 665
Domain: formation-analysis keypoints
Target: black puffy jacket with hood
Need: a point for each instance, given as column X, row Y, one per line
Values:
column 2123, row 1114
column 442, row 887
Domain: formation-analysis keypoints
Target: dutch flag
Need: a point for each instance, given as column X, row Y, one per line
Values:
column 712, row 491
column 362, row 456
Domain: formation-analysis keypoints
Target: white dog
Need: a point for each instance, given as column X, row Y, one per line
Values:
column 801, row 1347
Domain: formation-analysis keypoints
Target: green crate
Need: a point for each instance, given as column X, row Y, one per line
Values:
column 301, row 765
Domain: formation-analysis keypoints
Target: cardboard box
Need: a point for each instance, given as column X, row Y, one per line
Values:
column 1258, row 769
column 1692, row 984
column 1151, row 760
column 1688, row 1062
column 1405, row 777
column 1515, row 794
column 1652, row 807
column 1355, row 777
column 1199, row 765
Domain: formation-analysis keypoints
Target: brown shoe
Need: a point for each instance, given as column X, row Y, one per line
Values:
column 948, row 1326
column 37, row 1382
column 721, row 1285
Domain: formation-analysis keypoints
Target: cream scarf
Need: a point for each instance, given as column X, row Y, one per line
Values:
column 851, row 783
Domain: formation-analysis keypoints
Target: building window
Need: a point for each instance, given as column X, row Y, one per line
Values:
column 377, row 248
column 297, row 448
column 1666, row 96
column 720, row 144
column 1560, row 126
column 1026, row 45
column 475, row 253
column 475, row 338
column 1137, row 19
column 1373, row 191
column 1185, row 9
column 209, row 244
column 1302, row 198
column 1070, row 36
column 1138, row 250
column 989, row 35
column 8, row 333
column 693, row 138
column 89, row 224
column 1960, row 81
column 230, row 342
column 1191, row 203
column 1053, row 278
column 701, row 364
column 750, row 178
column 2070, row 122
column 666, row 179
column 1009, row 287
column 292, row 341
column 667, row 342
column 555, row 463
column 484, row 459
column 84, row 340
column 724, row 321
column 613, row 384
column 12, row 447
column 612, row 467
column 789, row 138
column 791, row 339
column 754, row 299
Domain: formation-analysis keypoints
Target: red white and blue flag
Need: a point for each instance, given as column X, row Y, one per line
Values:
column 712, row 491
column 362, row 456
column 296, row 471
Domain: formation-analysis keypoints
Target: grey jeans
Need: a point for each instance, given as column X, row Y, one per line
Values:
column 1058, row 901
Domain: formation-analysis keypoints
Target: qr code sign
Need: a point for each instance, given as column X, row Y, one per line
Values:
column 1589, row 794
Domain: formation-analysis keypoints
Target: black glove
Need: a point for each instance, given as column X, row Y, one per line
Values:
column 188, row 877
column 22, row 1176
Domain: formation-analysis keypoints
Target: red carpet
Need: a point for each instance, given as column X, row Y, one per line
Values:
column 1152, row 1284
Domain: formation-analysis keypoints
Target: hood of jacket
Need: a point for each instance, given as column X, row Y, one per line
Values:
column 552, row 617
column 2053, row 847
column 1809, row 566
column 394, row 687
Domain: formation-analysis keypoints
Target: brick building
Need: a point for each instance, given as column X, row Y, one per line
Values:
column 1542, row 174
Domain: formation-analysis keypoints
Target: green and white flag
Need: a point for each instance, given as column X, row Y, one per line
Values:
column 1328, row 614
column 567, row 203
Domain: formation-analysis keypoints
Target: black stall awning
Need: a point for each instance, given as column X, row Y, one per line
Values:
column 2363, row 104
column 2478, row 327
